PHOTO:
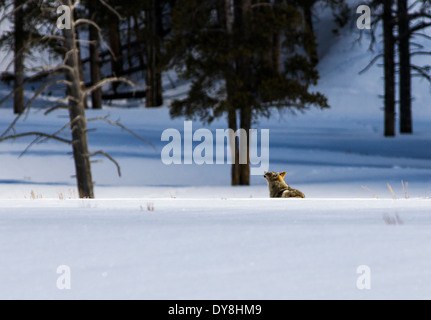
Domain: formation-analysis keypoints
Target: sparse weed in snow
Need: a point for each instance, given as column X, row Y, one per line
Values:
column 34, row 195
column 392, row 220
column 394, row 196
column 366, row 189
column 150, row 206
column 405, row 187
column 172, row 194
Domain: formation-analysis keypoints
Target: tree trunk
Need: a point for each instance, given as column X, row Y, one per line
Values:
column 142, row 54
column 77, row 117
column 19, row 39
column 159, row 32
column 244, row 169
column 311, row 46
column 81, row 71
column 244, row 104
column 153, row 72
column 406, row 125
column 276, row 53
column 232, row 124
column 389, row 66
column 93, row 35
column 115, row 44
column 226, row 22
column 129, row 43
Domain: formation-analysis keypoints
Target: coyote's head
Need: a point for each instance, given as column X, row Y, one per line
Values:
column 274, row 176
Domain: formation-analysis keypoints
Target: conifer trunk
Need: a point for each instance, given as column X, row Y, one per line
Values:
column 19, row 39
column 389, row 66
column 243, row 63
column 406, row 125
column 153, row 73
column 307, row 7
column 93, row 36
column 232, row 124
column 244, row 169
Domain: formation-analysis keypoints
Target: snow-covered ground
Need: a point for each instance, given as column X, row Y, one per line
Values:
column 181, row 232
column 215, row 249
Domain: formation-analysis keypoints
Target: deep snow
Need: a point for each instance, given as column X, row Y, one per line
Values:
column 215, row 249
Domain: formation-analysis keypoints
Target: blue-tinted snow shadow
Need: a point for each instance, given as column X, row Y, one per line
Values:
column 15, row 182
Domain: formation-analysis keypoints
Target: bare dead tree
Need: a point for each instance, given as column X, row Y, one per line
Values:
column 402, row 22
column 74, row 102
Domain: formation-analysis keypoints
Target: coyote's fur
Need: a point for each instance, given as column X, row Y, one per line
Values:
column 278, row 188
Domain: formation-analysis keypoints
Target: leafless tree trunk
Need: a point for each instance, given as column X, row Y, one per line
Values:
column 81, row 71
column 389, row 64
column 19, row 39
column 74, row 100
column 140, row 41
column 78, row 120
column 96, row 95
column 115, row 44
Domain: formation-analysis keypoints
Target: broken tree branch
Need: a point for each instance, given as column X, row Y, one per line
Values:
column 109, row 157
column 116, row 123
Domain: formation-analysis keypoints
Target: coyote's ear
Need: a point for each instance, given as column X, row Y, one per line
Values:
column 283, row 174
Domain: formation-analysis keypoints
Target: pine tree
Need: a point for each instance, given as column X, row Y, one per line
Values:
column 223, row 48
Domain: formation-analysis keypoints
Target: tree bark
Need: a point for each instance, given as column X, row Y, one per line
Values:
column 115, row 44
column 93, row 35
column 153, row 72
column 81, row 71
column 243, row 64
column 276, row 53
column 406, row 125
column 77, row 117
column 389, row 67
column 244, row 169
column 232, row 124
column 19, row 46
column 307, row 7
column 140, row 42
column 226, row 22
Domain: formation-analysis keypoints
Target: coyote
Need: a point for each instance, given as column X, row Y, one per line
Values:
column 278, row 188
